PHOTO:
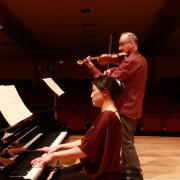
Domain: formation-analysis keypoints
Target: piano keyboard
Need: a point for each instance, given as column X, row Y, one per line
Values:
column 25, row 170
column 35, row 172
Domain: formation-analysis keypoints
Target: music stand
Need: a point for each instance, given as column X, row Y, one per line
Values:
column 56, row 90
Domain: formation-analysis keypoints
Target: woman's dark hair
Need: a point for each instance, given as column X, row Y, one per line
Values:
column 115, row 87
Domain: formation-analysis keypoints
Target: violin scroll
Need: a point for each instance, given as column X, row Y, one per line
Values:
column 79, row 62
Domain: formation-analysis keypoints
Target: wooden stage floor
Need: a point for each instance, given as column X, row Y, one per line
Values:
column 159, row 157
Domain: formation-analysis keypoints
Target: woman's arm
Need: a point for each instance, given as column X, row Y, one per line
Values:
column 65, row 146
column 72, row 153
column 70, row 145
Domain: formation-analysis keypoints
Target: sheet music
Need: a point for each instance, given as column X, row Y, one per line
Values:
column 53, row 86
column 11, row 105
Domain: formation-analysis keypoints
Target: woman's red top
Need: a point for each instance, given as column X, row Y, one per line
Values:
column 102, row 144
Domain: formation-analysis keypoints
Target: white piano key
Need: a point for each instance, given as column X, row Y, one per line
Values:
column 33, row 173
column 59, row 139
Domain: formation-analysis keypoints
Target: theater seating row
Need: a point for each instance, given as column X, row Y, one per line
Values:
column 76, row 102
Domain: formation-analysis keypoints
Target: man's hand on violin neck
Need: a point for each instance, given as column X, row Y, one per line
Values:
column 107, row 72
column 88, row 62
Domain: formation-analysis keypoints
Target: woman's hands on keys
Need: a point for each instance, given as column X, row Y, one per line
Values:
column 39, row 162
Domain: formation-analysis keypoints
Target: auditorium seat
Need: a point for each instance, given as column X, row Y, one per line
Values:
column 80, row 115
column 84, row 110
column 163, row 98
column 146, row 102
column 140, row 123
column 92, row 117
column 171, row 103
column 94, row 109
column 144, row 115
column 162, row 116
column 163, row 106
column 87, row 102
column 157, row 102
column 77, row 125
column 154, row 110
column 148, row 106
column 60, row 106
column 69, row 110
column 172, row 127
column 152, row 126
column 169, row 110
column 74, row 106
column 175, row 115
column 176, row 106
column 87, row 106
column 73, row 102
column 77, row 98
column 63, row 117
column 62, row 101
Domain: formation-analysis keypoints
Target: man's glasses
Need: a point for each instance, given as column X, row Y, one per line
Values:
column 122, row 44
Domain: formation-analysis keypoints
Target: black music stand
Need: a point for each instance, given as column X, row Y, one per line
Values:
column 56, row 90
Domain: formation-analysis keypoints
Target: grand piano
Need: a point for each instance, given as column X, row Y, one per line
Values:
column 39, row 130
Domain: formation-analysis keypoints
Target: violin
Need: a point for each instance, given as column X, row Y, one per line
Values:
column 105, row 59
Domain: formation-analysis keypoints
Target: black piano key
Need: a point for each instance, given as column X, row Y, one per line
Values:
column 50, row 139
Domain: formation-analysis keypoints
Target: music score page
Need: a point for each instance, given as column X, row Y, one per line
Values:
column 11, row 105
column 50, row 82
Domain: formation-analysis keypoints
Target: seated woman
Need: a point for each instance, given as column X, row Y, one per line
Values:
column 99, row 150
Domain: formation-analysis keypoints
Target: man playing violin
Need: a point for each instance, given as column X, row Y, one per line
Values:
column 133, row 72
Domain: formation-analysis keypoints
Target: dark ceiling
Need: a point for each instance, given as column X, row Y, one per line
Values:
column 48, row 28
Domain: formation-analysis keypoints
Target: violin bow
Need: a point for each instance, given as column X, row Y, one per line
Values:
column 109, row 49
